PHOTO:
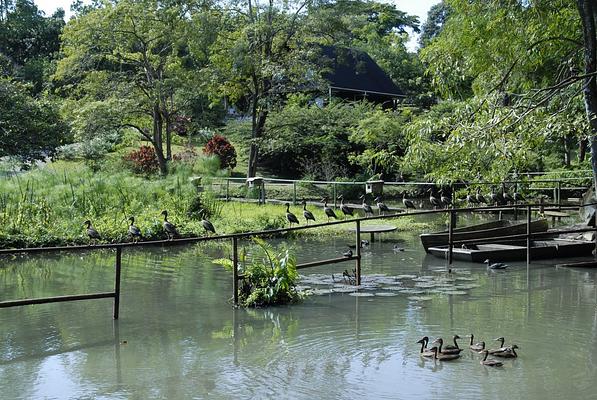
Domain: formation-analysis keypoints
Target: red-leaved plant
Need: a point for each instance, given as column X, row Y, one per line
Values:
column 143, row 160
column 221, row 147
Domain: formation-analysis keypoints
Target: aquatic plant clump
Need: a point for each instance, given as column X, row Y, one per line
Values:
column 269, row 278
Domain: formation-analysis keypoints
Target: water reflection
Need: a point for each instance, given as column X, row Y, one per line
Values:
column 179, row 337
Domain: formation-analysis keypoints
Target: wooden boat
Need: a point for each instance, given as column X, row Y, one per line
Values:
column 485, row 230
column 513, row 251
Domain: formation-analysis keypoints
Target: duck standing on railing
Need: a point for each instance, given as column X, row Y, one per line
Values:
column 494, row 198
column 328, row 210
column 207, row 225
column 366, row 207
column 307, row 214
column 470, row 199
column 381, row 206
column 445, row 200
column 134, row 231
column 344, row 208
column 435, row 202
column 507, row 197
column 407, row 203
column 94, row 235
column 480, row 198
column 169, row 227
column 518, row 198
column 292, row 219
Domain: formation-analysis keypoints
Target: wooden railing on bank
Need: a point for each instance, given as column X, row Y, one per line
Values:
column 235, row 237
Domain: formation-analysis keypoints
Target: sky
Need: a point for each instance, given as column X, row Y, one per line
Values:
column 413, row 7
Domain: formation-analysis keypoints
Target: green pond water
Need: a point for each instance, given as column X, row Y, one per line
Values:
column 178, row 337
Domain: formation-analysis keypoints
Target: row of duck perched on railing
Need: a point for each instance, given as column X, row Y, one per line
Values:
column 452, row 352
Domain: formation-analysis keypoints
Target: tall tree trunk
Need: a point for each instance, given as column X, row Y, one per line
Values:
column 587, row 12
column 157, row 139
column 582, row 149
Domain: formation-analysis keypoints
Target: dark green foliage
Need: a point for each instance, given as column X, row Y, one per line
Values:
column 30, row 129
column 29, row 41
column 269, row 277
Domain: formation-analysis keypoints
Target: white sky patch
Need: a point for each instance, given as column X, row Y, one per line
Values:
column 413, row 7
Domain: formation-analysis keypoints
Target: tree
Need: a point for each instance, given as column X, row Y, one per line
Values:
column 29, row 41
column 134, row 55
column 436, row 18
column 588, row 12
column 261, row 55
column 30, row 129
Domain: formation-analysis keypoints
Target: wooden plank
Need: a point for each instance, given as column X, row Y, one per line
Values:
column 556, row 214
column 580, row 264
column 324, row 262
column 375, row 229
column 56, row 299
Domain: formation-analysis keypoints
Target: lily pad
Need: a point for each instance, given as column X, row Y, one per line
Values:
column 361, row 294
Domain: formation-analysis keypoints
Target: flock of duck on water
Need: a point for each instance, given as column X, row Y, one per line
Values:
column 442, row 201
column 452, row 352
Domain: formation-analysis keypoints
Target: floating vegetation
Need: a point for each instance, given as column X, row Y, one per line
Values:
column 420, row 298
column 416, row 287
column 361, row 294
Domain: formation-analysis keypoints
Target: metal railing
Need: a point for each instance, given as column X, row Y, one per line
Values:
column 555, row 186
column 234, row 237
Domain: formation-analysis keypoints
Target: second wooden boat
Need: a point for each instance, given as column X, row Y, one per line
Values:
column 486, row 230
column 513, row 251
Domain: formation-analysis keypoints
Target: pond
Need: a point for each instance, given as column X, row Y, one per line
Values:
column 178, row 337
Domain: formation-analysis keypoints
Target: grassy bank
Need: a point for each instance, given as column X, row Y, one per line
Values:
column 48, row 206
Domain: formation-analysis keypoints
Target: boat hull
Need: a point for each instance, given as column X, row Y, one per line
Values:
column 482, row 231
column 515, row 251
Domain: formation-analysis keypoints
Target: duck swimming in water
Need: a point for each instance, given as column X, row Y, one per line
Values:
column 509, row 352
column 498, row 265
column 446, row 351
column 452, row 347
column 478, row 347
column 490, row 363
column 501, row 348
column 442, row 356
column 425, row 352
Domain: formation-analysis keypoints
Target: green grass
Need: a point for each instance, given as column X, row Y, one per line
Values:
column 48, row 206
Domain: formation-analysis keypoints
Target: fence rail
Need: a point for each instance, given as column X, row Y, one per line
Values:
column 234, row 237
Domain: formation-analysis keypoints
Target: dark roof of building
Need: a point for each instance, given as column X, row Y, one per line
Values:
column 354, row 70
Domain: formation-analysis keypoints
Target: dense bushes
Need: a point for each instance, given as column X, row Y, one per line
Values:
column 143, row 160
column 220, row 146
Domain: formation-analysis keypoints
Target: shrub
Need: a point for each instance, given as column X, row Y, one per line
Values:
column 143, row 160
column 270, row 278
column 221, row 147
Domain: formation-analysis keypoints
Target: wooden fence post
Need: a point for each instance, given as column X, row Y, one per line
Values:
column 227, row 189
column 235, row 270
column 451, row 235
column 294, row 193
column 528, row 234
column 116, row 309
column 358, row 260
